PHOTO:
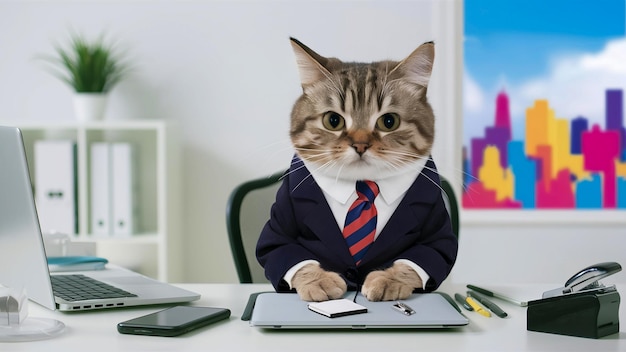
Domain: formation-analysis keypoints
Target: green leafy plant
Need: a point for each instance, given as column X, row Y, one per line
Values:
column 91, row 67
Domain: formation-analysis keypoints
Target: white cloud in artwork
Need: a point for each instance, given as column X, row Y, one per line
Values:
column 473, row 96
column 475, row 109
column 612, row 59
column 575, row 86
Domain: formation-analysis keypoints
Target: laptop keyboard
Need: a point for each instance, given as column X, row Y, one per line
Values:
column 77, row 287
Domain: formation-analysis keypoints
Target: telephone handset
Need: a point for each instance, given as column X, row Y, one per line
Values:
column 586, row 279
column 589, row 276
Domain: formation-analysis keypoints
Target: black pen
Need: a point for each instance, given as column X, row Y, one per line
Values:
column 487, row 303
column 497, row 295
column 461, row 299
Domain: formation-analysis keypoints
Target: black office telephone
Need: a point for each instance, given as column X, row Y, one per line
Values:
column 582, row 307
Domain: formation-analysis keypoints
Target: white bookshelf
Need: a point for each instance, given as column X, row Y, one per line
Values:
column 153, row 248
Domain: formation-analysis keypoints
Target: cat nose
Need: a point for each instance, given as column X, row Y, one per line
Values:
column 360, row 141
column 360, row 147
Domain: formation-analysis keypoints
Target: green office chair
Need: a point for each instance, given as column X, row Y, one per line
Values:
column 451, row 204
column 248, row 209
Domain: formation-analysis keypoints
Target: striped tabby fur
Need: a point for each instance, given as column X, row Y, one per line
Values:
column 363, row 120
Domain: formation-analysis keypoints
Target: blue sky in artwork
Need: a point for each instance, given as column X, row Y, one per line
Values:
column 521, row 37
column 527, row 46
column 599, row 18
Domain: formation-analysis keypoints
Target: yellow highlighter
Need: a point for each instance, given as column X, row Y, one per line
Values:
column 477, row 307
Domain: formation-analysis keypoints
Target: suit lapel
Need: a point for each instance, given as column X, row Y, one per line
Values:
column 319, row 218
column 398, row 225
column 402, row 221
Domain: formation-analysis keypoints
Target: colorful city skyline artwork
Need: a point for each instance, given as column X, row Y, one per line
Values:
column 543, row 105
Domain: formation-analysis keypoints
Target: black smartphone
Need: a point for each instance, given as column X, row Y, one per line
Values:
column 173, row 321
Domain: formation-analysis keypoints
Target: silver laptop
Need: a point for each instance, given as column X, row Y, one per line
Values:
column 288, row 311
column 23, row 262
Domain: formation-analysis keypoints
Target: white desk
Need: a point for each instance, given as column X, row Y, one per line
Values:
column 96, row 331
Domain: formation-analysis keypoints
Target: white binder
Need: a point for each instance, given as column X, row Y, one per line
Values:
column 112, row 189
column 100, row 189
column 55, row 185
column 122, row 188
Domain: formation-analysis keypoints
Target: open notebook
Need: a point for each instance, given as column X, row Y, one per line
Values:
column 287, row 311
column 23, row 262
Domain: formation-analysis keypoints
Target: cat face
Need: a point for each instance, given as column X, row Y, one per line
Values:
column 359, row 121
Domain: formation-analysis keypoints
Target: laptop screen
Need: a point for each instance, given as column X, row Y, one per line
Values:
column 22, row 256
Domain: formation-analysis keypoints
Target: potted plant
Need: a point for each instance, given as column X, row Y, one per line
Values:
column 91, row 69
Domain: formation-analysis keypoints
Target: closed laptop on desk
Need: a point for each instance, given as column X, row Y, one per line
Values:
column 288, row 311
column 23, row 262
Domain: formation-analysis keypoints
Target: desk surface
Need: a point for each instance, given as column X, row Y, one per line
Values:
column 96, row 331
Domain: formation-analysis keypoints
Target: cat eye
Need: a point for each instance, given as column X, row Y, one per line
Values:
column 332, row 121
column 388, row 122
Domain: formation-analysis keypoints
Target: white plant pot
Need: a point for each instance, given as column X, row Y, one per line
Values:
column 89, row 106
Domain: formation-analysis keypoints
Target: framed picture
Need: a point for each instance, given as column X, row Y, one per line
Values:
column 543, row 106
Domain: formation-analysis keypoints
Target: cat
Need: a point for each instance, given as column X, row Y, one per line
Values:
column 360, row 121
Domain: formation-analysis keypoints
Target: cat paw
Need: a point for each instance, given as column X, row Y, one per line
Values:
column 394, row 283
column 315, row 284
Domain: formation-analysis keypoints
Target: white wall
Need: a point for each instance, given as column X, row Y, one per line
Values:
column 224, row 71
column 537, row 247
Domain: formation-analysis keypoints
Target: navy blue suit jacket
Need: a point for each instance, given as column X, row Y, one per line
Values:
column 302, row 226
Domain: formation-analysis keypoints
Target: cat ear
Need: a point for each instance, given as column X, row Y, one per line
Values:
column 310, row 64
column 417, row 67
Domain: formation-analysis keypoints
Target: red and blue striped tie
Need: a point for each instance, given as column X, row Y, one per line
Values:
column 360, row 227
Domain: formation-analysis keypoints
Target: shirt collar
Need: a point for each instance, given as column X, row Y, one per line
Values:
column 391, row 188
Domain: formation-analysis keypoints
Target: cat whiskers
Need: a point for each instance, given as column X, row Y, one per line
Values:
column 433, row 181
column 399, row 159
column 403, row 158
column 454, row 180
column 318, row 155
column 267, row 153
column 292, row 170
column 431, row 169
column 325, row 165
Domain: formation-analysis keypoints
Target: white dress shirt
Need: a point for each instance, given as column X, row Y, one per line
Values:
column 340, row 194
